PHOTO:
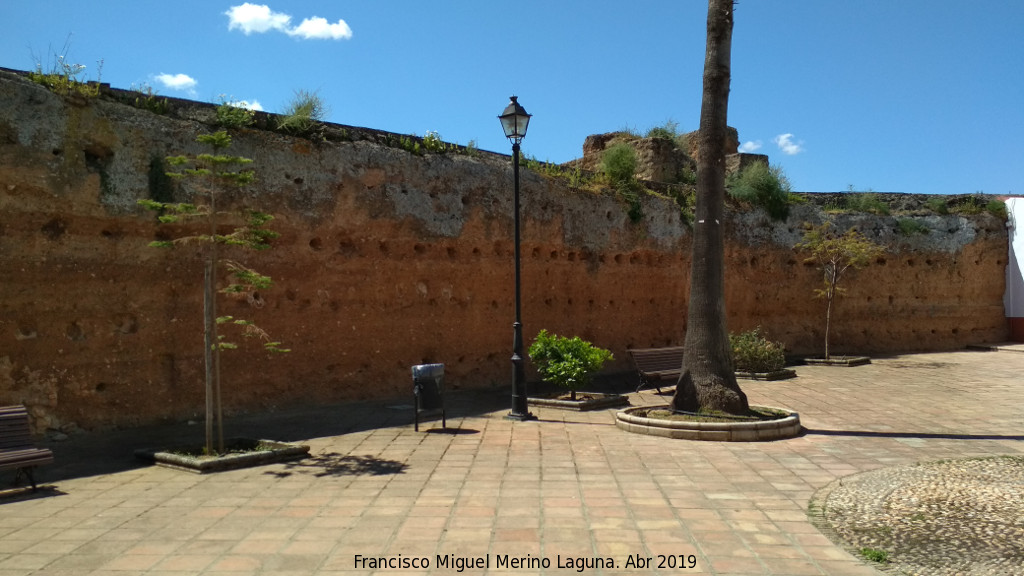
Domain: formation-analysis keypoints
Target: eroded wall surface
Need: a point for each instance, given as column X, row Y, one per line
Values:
column 388, row 259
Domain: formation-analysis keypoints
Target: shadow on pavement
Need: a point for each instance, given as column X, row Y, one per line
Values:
column 873, row 434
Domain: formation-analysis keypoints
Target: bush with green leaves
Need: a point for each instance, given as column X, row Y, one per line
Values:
column 567, row 362
column 910, row 227
column 669, row 130
column 938, row 205
column 764, row 186
column 432, row 142
column 977, row 203
column 231, row 115
column 304, row 111
column 619, row 163
column 869, row 202
column 64, row 77
column 753, row 352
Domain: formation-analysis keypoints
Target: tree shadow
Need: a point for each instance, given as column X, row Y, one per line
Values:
column 335, row 464
column 451, row 431
column 921, row 435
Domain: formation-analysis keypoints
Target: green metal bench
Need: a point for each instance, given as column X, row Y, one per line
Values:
column 657, row 367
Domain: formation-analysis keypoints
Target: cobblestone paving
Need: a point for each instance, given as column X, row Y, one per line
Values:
column 950, row 517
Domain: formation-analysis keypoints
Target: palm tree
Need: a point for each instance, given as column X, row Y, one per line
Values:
column 707, row 381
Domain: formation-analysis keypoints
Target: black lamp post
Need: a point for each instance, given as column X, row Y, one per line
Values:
column 514, row 121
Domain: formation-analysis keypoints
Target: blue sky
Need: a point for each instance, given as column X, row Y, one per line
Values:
column 921, row 96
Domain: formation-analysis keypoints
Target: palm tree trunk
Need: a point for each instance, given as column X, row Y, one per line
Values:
column 707, row 380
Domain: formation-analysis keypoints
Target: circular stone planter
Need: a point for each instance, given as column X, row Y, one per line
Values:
column 744, row 431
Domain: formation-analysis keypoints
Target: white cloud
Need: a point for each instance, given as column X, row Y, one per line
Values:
column 177, row 82
column 750, row 146
column 259, row 18
column 787, row 145
column 256, row 18
column 320, row 29
column 247, row 104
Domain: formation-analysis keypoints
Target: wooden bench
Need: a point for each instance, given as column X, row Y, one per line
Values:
column 16, row 449
column 657, row 365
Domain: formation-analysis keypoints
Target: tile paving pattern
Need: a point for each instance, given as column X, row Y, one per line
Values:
column 568, row 486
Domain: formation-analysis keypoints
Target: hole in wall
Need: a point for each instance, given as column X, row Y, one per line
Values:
column 316, row 244
column 74, row 332
column 54, row 229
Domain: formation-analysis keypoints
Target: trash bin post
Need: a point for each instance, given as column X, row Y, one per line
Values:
column 428, row 391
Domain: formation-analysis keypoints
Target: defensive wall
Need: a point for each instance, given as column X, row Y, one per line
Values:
column 388, row 259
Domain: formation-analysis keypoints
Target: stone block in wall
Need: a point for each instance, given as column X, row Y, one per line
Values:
column 737, row 162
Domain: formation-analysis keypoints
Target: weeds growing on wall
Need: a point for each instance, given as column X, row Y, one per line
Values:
column 938, row 205
column 910, row 227
column 618, row 165
column 869, row 202
column 977, row 203
column 231, row 115
column 305, row 110
column 763, row 186
column 670, row 131
column 63, row 77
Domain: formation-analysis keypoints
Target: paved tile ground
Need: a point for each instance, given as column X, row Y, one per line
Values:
column 569, row 486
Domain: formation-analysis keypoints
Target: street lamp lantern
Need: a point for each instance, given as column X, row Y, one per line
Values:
column 514, row 121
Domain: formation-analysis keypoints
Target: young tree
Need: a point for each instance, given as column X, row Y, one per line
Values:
column 707, row 381
column 212, row 174
column 834, row 254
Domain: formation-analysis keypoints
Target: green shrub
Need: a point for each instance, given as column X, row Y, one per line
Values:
column 669, row 130
column 938, row 205
column 303, row 112
column 619, row 164
column 149, row 100
column 762, row 185
column 64, row 77
column 432, row 142
column 752, row 352
column 567, row 362
column 869, row 202
column 910, row 226
column 232, row 116
column 976, row 204
column 996, row 208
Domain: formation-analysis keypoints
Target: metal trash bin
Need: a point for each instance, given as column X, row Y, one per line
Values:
column 428, row 390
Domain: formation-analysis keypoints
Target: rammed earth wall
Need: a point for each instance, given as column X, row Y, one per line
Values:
column 389, row 259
